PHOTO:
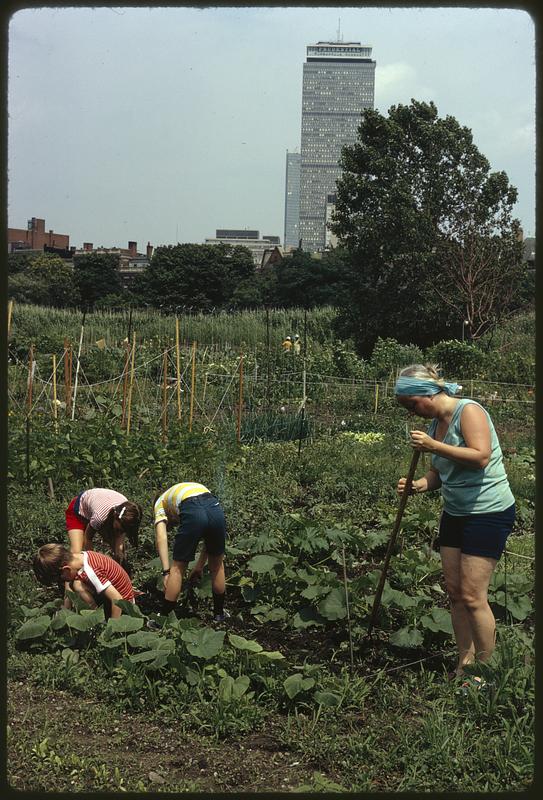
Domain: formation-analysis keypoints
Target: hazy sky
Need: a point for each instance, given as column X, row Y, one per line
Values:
column 163, row 124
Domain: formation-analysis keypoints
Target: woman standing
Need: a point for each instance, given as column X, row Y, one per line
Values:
column 478, row 505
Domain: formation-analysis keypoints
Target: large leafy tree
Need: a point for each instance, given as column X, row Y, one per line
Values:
column 429, row 229
column 199, row 276
column 97, row 276
column 43, row 279
column 303, row 281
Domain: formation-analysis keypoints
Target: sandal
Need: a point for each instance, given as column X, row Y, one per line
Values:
column 472, row 682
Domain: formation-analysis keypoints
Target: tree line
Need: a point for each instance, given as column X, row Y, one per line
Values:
column 428, row 247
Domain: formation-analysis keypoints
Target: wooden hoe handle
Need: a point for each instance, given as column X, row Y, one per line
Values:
column 393, row 537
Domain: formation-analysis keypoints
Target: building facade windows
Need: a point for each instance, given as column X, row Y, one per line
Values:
column 334, row 96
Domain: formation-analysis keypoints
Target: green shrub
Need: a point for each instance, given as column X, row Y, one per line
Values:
column 457, row 359
column 388, row 354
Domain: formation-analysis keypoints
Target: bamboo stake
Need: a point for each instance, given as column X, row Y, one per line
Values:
column 55, row 410
column 178, row 367
column 347, row 607
column 71, row 373
column 240, row 399
column 78, row 362
column 10, row 309
column 28, row 450
column 165, row 396
column 392, row 541
column 376, row 398
column 267, row 359
column 67, row 374
column 131, row 383
column 125, row 383
column 302, row 416
column 30, row 380
column 192, row 385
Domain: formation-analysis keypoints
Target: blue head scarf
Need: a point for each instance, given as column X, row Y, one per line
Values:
column 419, row 387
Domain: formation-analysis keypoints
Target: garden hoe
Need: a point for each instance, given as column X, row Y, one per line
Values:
column 393, row 537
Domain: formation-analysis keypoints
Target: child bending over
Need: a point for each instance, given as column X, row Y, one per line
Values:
column 94, row 576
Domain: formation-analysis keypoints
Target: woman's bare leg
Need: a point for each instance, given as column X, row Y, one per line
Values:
column 461, row 621
column 476, row 572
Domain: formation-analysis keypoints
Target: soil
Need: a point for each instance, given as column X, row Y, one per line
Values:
column 142, row 749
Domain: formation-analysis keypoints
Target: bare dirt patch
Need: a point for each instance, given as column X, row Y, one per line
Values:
column 159, row 756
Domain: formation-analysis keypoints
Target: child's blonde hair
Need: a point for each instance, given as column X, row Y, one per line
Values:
column 48, row 563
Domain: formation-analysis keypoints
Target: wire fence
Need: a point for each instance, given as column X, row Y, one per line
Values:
column 203, row 388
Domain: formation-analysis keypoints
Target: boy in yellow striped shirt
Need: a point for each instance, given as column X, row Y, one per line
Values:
column 199, row 515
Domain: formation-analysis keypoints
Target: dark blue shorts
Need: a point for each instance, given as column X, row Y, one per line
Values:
column 477, row 534
column 200, row 517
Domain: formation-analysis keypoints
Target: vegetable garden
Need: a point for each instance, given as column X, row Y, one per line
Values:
column 304, row 452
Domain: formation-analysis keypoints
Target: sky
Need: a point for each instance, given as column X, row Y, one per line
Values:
column 162, row 124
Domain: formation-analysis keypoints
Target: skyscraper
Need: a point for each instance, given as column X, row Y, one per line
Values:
column 338, row 83
column 292, row 200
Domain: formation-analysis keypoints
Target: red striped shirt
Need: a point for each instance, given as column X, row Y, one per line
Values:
column 101, row 571
column 95, row 505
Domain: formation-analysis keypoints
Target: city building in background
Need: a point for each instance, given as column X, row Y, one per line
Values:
column 131, row 263
column 338, row 83
column 245, row 238
column 292, row 200
column 35, row 237
column 330, row 239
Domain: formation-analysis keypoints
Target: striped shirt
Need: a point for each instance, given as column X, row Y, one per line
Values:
column 101, row 571
column 95, row 505
column 171, row 499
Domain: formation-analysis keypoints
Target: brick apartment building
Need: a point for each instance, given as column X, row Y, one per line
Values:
column 35, row 237
column 131, row 263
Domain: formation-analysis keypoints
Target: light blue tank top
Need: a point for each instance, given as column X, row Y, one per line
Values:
column 471, row 491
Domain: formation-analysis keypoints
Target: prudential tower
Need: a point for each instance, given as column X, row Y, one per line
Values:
column 338, row 83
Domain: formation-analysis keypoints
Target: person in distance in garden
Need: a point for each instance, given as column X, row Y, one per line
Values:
column 287, row 344
column 199, row 515
column 95, row 577
column 478, row 505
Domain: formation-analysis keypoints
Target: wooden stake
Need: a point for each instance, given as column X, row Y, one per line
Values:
column 178, row 367
column 267, row 359
column 393, row 536
column 55, row 410
column 347, row 606
column 302, row 415
column 78, row 362
column 165, row 396
column 30, row 380
column 28, row 451
column 51, row 489
column 125, row 383
column 10, row 309
column 67, row 390
column 192, row 385
column 240, row 399
column 131, row 383
column 376, row 398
